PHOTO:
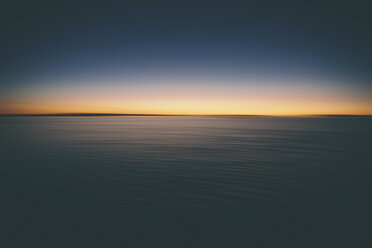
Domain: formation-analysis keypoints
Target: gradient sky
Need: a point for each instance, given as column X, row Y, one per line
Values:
column 186, row 57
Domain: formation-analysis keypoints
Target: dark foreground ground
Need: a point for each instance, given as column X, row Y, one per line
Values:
column 186, row 182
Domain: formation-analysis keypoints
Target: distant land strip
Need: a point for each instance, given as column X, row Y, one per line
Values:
column 134, row 115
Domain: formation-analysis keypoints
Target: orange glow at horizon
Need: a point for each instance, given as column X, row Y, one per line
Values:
column 188, row 98
column 192, row 105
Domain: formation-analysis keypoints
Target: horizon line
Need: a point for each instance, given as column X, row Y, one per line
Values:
column 175, row 115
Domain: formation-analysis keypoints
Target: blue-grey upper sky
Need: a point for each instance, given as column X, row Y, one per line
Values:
column 62, row 42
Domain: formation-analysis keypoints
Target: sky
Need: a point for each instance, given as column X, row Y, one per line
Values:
column 186, row 57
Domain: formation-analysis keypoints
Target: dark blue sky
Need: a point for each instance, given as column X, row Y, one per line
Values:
column 48, row 40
